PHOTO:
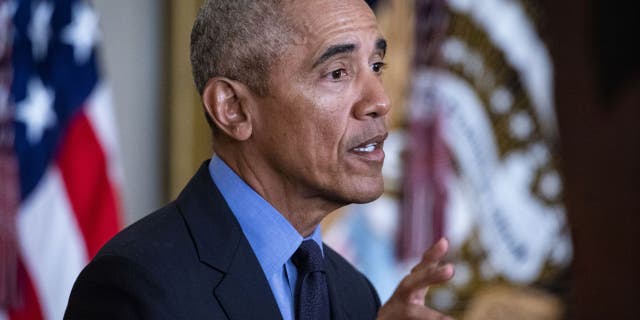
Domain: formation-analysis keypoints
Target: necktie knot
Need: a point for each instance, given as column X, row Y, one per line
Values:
column 308, row 257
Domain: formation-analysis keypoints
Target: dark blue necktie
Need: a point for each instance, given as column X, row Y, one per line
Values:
column 312, row 292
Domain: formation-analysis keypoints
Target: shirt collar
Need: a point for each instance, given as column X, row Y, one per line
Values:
column 273, row 239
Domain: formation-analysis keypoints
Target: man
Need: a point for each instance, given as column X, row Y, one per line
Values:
column 293, row 93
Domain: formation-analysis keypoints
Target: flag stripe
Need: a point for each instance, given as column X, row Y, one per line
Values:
column 51, row 244
column 100, row 113
column 30, row 309
column 83, row 167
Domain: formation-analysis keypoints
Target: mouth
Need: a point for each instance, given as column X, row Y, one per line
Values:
column 371, row 147
column 368, row 148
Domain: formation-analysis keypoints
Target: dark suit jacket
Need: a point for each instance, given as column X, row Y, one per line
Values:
column 190, row 260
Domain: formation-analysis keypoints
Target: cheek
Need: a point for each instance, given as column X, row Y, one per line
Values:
column 330, row 124
column 315, row 125
column 332, row 112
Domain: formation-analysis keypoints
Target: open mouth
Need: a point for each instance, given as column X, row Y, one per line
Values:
column 368, row 148
column 371, row 145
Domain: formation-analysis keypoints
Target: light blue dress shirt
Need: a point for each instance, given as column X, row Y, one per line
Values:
column 273, row 239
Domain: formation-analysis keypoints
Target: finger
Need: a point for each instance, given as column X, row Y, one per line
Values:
column 433, row 274
column 413, row 287
column 437, row 251
column 418, row 296
column 433, row 254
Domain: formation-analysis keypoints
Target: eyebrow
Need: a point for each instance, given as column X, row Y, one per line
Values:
column 334, row 51
column 381, row 45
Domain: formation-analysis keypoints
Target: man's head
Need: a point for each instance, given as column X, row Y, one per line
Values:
column 315, row 134
column 238, row 39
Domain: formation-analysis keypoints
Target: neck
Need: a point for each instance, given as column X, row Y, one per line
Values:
column 303, row 209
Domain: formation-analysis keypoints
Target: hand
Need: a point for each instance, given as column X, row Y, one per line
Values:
column 407, row 302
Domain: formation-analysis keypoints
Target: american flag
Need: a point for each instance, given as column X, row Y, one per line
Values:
column 59, row 167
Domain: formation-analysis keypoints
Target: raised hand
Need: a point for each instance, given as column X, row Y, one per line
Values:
column 407, row 302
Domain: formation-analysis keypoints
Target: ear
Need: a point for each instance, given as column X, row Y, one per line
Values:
column 224, row 101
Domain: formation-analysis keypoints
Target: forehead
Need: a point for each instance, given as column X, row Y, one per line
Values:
column 321, row 22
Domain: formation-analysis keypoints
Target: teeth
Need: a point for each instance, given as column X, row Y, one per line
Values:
column 368, row 148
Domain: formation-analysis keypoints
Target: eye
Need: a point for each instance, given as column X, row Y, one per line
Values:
column 378, row 67
column 338, row 74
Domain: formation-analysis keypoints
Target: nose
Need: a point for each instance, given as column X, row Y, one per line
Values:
column 374, row 101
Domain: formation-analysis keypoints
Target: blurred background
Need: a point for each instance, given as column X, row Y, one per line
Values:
column 513, row 133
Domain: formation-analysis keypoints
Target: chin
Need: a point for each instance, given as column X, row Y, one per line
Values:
column 363, row 193
column 366, row 199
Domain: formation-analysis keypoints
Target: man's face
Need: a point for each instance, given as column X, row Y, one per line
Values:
column 322, row 125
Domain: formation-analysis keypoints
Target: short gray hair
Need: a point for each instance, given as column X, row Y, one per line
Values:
column 239, row 40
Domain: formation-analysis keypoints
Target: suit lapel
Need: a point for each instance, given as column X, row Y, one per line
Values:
column 243, row 291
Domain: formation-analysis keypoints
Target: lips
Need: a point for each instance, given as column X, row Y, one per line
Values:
column 368, row 148
column 371, row 145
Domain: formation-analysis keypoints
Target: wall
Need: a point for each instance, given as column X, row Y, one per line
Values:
column 132, row 55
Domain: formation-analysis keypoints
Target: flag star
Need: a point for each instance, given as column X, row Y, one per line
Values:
column 39, row 29
column 36, row 110
column 83, row 32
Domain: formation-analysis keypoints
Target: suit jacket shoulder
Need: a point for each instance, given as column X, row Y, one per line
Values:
column 190, row 260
